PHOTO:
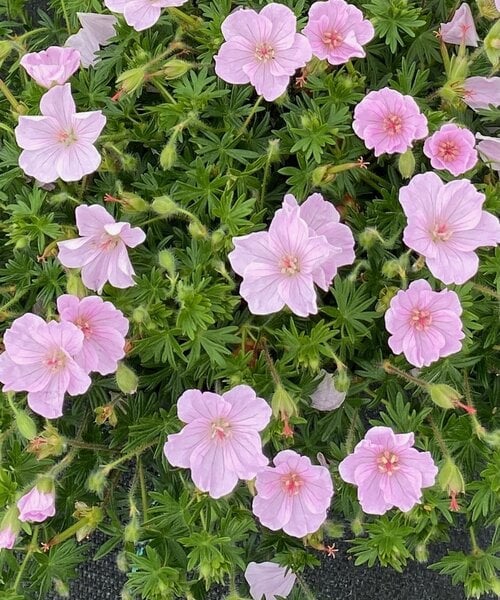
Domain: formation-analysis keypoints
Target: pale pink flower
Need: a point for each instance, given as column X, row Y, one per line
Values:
column 96, row 31
column 38, row 359
column 220, row 442
column 38, row 504
column 461, row 29
column 280, row 266
column 104, row 329
column 481, row 92
column 294, row 495
column 425, row 325
column 388, row 471
column 326, row 396
column 497, row 5
column 388, row 121
column 451, row 148
column 446, row 224
column 268, row 580
column 60, row 143
column 263, row 49
column 101, row 251
column 7, row 537
column 53, row 66
column 141, row 14
column 337, row 31
column 323, row 219
column 489, row 150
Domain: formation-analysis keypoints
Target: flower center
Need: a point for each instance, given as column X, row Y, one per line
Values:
column 448, row 151
column 67, row 138
column 264, row 52
column 56, row 360
column 333, row 39
column 221, row 429
column 388, row 462
column 421, row 319
column 291, row 483
column 289, row 265
column 393, row 124
column 84, row 326
column 441, row 233
column 108, row 242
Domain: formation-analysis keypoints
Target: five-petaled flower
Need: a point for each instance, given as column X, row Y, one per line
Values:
column 141, row 14
column 451, row 148
column 53, row 66
column 268, row 580
column 461, row 29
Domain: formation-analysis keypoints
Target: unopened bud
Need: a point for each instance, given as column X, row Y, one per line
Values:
column 164, row 206
column 131, row 80
column 74, row 284
column 450, row 478
column 25, row 424
column 217, row 238
column 175, row 68
column 321, row 176
column 273, row 150
column 61, row 588
column 385, row 297
column 369, row 237
column 126, row 379
column 492, row 44
column 341, row 380
column 168, row 156
column 166, row 259
column 391, row 268
column 133, row 203
column 96, row 482
column 21, row 243
column 406, row 164
column 132, row 530
column 5, row 50
column 283, row 404
column 443, row 395
column 422, row 553
column 122, row 562
column 197, row 230
column 140, row 315
column 357, row 526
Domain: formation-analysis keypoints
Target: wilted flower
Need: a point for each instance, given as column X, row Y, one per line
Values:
column 96, row 31
column 388, row 121
column 461, row 29
column 388, row 471
column 451, row 148
column 489, row 150
column 101, row 252
column 481, row 92
column 425, row 325
column 268, row 580
column 337, row 31
column 53, row 66
column 220, row 442
column 60, row 143
column 39, row 503
column 263, row 49
column 39, row 359
column 446, row 224
column 326, row 396
column 141, row 14
column 294, row 495
column 104, row 329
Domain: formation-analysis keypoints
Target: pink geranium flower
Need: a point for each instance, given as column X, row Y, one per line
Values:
column 489, row 150
column 220, row 442
column 323, row 219
column 97, row 30
column 446, row 224
column 481, row 92
column 326, row 396
column 388, row 121
column 53, row 66
column 7, row 537
column 141, row 14
column 337, row 31
column 294, row 495
column 101, row 252
column 104, row 329
column 60, row 143
column 39, row 359
column 268, row 580
column 388, row 471
column 38, row 504
column 280, row 267
column 461, row 29
column 451, row 148
column 425, row 325
column 263, row 49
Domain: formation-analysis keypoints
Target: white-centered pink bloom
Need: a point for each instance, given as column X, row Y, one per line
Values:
column 38, row 504
column 446, row 224
column 268, row 580
column 263, row 49
column 294, row 495
column 104, row 329
column 141, row 14
column 39, row 359
column 451, row 148
column 489, row 150
column 461, row 29
column 97, row 30
column 53, row 66
column 481, row 92
column 337, row 31
column 60, row 143
column 101, row 251
column 220, row 442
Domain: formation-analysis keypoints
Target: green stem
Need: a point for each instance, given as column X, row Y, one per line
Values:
column 250, row 116
column 270, row 363
column 31, row 548
column 110, row 466
column 486, row 290
column 144, row 491
column 10, row 97
column 308, row 595
column 66, row 17
column 89, row 446
column 475, row 547
column 439, row 439
column 392, row 370
column 265, row 177
column 349, row 443
column 18, row 295
column 63, row 464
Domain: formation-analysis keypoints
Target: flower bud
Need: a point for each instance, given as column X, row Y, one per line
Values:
column 126, row 379
column 391, row 268
column 61, row 588
column 492, row 44
column 369, row 237
column 443, row 395
column 140, row 315
column 406, row 164
column 385, row 297
column 96, row 482
column 131, row 80
column 21, row 243
column 106, row 414
column 168, row 156
column 357, row 527
column 9, row 528
column 5, row 49
column 422, row 553
column 74, row 284
column 175, row 68
column 132, row 530
column 166, row 259
column 487, row 9
column 164, row 206
column 273, row 150
column 451, row 481
column 133, row 203
column 25, row 424
column 283, row 404
column 48, row 443
column 122, row 562
column 320, row 176
column 197, row 230
column 217, row 239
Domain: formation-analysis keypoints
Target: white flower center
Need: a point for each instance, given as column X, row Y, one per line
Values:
column 392, row 124
column 289, row 265
column 448, row 151
column 333, row 39
column 441, row 233
column 291, row 483
column 108, row 242
column 56, row 360
column 67, row 138
column 421, row 320
column 388, row 462
column 264, row 52
column 221, row 429
column 84, row 326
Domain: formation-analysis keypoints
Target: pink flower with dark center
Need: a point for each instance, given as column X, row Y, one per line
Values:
column 481, row 92
column 39, row 359
column 38, row 504
column 294, row 495
column 263, row 49
column 446, row 224
column 337, row 31
column 489, row 150
column 388, row 121
column 268, row 580
column 141, row 14
column 104, row 329
column 7, row 537
column 424, row 325
column 96, row 31
column 461, row 29
column 53, row 66
column 101, row 252
column 60, row 143
column 220, row 442
column 280, row 267
column 388, row 471
column 451, row 148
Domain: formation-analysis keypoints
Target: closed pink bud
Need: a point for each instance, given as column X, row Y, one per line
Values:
column 38, row 504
